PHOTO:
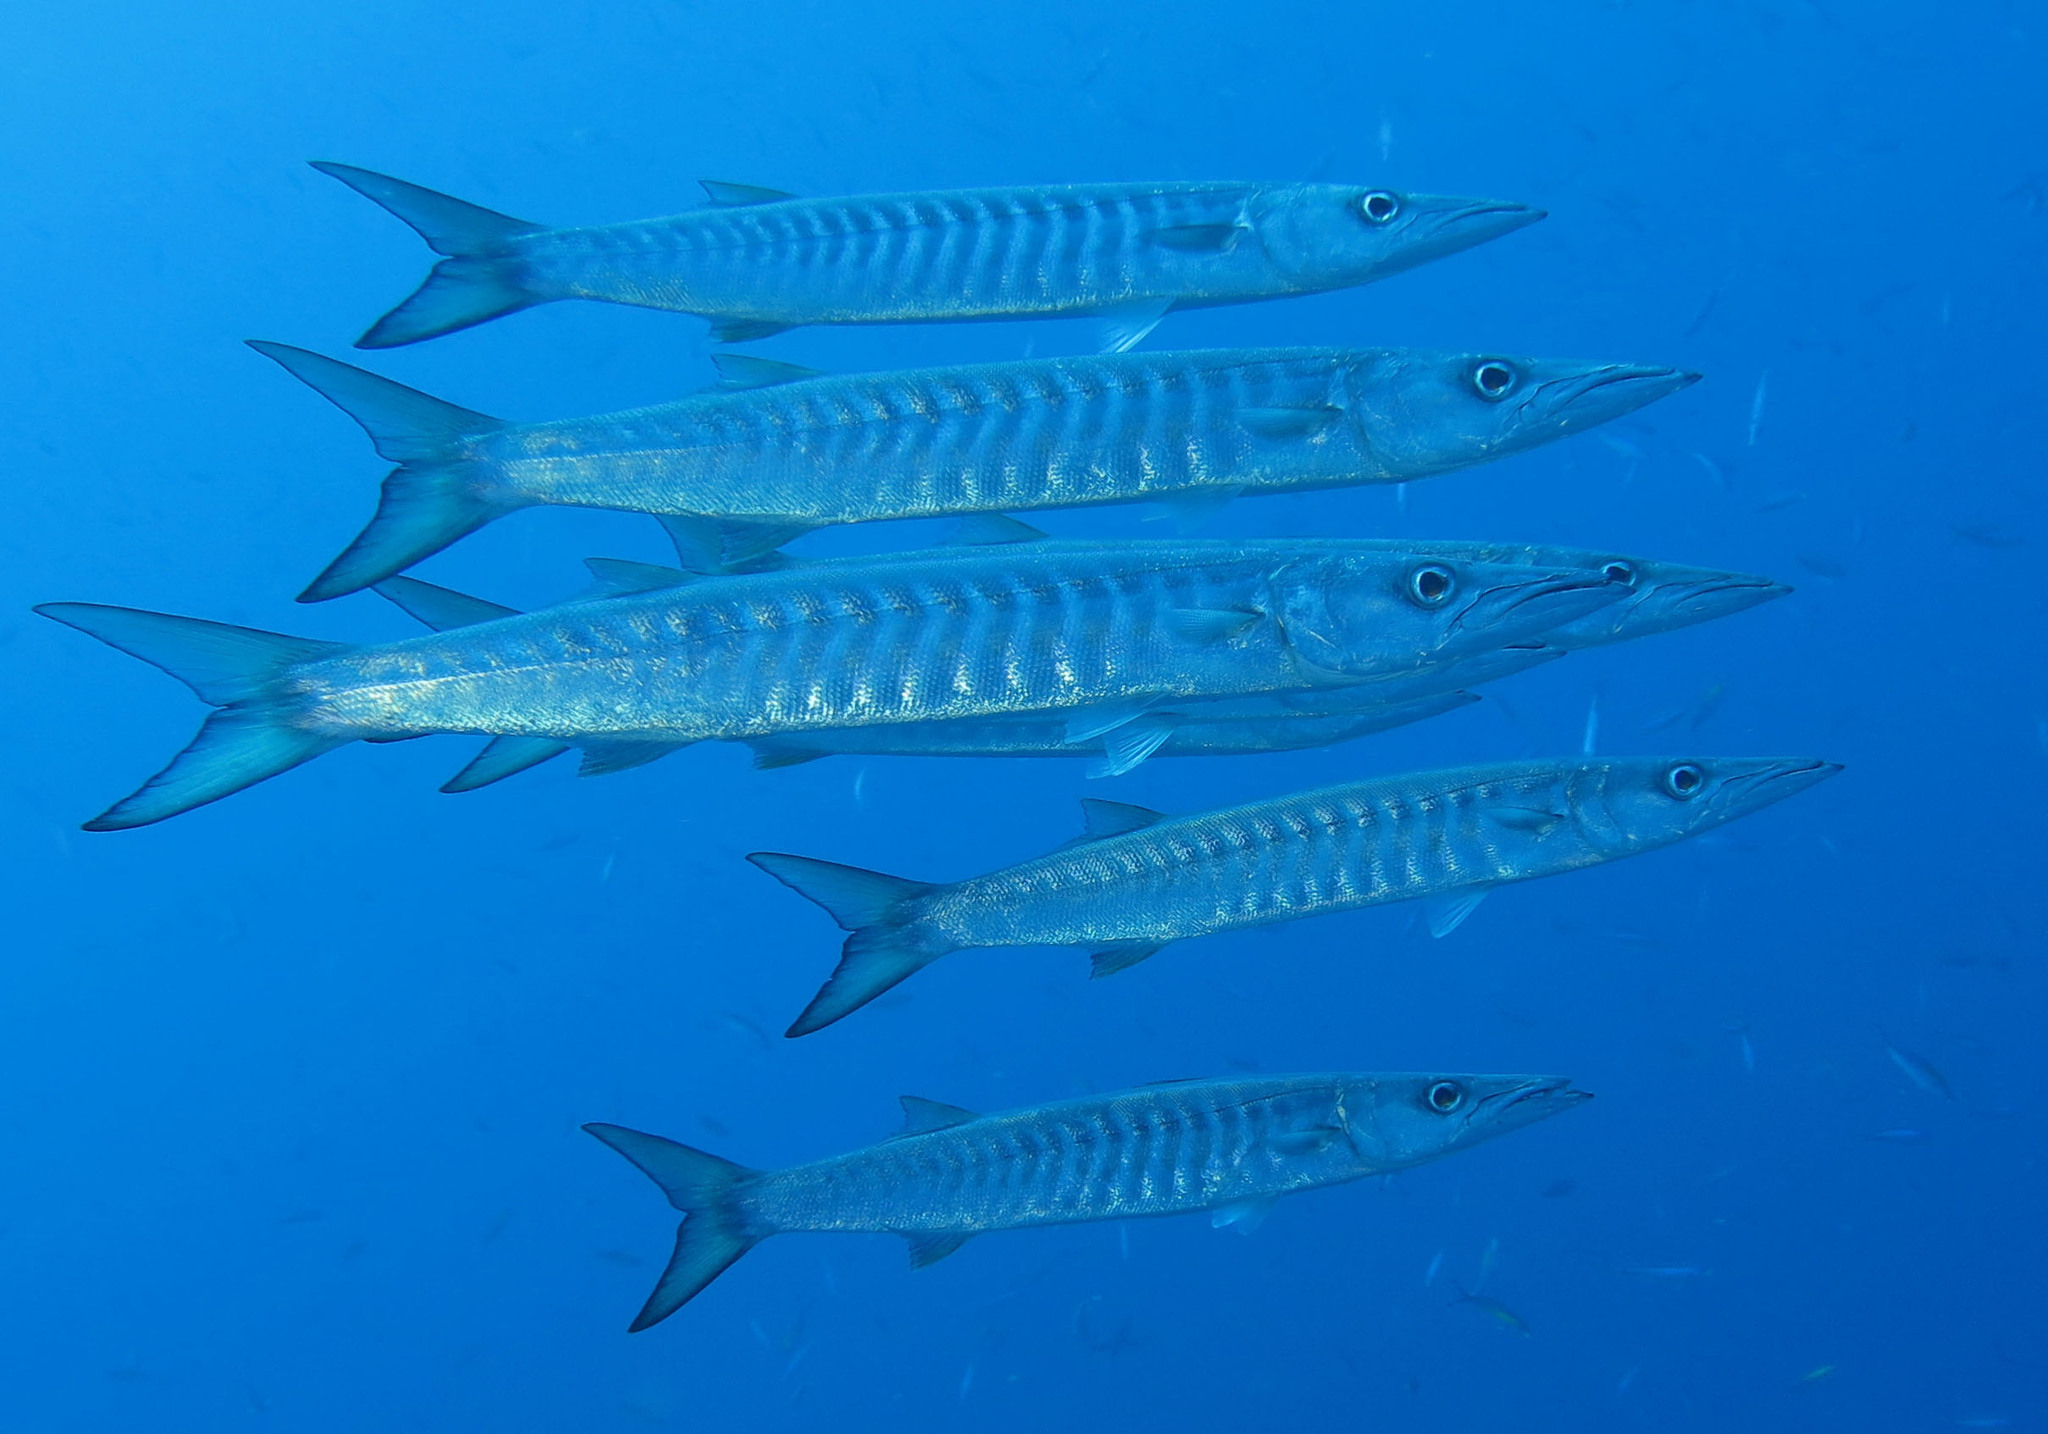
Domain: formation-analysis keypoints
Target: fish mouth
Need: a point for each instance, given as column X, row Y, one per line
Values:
column 1537, row 1098
column 1540, row 604
column 1491, row 218
column 1727, row 593
column 1609, row 391
column 1773, row 781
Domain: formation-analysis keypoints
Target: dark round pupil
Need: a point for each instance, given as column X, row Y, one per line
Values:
column 1432, row 583
column 1493, row 378
column 1380, row 207
column 1444, row 1097
column 1685, row 779
column 1620, row 573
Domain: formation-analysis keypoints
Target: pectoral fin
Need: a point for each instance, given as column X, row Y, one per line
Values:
column 1536, row 820
column 1199, row 238
column 1304, row 1142
column 1209, row 624
column 1288, row 422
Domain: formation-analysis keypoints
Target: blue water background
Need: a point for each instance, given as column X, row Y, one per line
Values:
column 290, row 1087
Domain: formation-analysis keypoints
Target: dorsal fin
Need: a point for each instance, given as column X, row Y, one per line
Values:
column 749, row 371
column 438, row 607
column 728, row 195
column 1107, row 819
column 980, row 530
column 619, row 576
column 921, row 1115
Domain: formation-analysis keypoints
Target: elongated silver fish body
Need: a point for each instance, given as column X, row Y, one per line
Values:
column 786, row 457
column 1142, row 880
column 1100, row 630
column 1231, row 1146
column 776, row 261
column 954, row 634
column 1193, row 730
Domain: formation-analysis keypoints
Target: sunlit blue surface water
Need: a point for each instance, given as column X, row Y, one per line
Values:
column 290, row 1087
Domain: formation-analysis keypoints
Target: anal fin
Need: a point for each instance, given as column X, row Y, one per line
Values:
column 930, row 1249
column 504, row 757
column 1125, row 325
column 1447, row 913
column 1120, row 956
column 1129, row 745
column 1243, row 1216
column 602, row 758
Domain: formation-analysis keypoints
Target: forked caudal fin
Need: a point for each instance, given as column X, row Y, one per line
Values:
column 478, row 280
column 714, row 1231
column 434, row 496
column 885, row 947
column 236, row 670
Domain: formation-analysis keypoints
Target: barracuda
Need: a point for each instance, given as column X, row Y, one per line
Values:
column 760, row 261
column 1103, row 632
column 1139, row 880
column 1195, row 730
column 745, row 469
column 1231, row 1147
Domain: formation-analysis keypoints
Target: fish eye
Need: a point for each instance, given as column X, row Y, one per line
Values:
column 1431, row 585
column 1619, row 571
column 1684, row 781
column 1446, row 1096
column 1380, row 207
column 1493, row 379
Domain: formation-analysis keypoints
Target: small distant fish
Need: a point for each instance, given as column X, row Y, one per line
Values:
column 1779, row 501
column 1625, row 447
column 1987, row 535
column 1487, row 1260
column 1664, row 1272
column 1817, row 1374
column 1898, row 1135
column 1494, row 1310
column 1436, row 1263
column 1558, row 1189
column 1919, row 1070
column 966, row 1382
column 1629, row 1377
column 1589, row 743
column 1822, row 567
column 1713, row 470
column 1756, row 407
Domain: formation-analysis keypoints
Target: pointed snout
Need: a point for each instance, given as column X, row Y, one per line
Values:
column 1762, row 781
column 1536, row 1098
column 1718, row 595
column 1482, row 219
column 1599, row 393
